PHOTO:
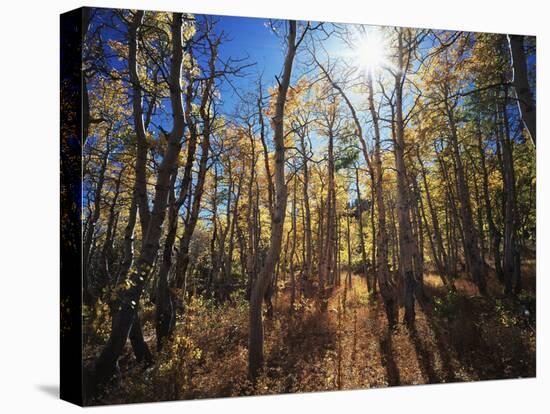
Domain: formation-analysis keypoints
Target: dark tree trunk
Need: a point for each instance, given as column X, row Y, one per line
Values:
column 511, row 268
column 438, row 248
column 125, row 316
column 406, row 241
column 256, row 341
column 307, row 213
column 494, row 234
column 139, row 126
column 293, row 249
column 106, row 251
column 471, row 242
column 91, row 226
column 370, row 285
column 164, row 306
column 526, row 103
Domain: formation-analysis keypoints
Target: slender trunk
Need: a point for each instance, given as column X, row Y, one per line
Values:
column 270, row 186
column 526, row 103
column 370, row 286
column 406, row 242
column 164, row 307
column 91, row 224
column 293, row 249
column 134, row 29
column 494, row 234
column 337, row 253
column 454, row 225
column 479, row 218
column 128, row 244
column 255, row 346
column 231, row 242
column 165, row 314
column 393, row 241
column 180, row 280
column 214, row 253
column 327, row 257
column 418, row 233
column 185, row 241
column 471, row 244
column 137, row 278
column 320, row 232
column 438, row 248
column 106, row 251
column 307, row 213
column 512, row 272
column 139, row 346
column 381, row 266
column 252, row 218
column 348, row 239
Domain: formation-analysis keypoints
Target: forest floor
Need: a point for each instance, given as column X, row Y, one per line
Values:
column 457, row 337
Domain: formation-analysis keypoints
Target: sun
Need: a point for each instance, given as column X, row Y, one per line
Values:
column 370, row 52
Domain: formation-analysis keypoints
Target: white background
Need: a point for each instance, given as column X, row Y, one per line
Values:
column 29, row 236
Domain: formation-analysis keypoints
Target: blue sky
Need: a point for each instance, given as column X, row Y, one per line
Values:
column 249, row 38
column 252, row 41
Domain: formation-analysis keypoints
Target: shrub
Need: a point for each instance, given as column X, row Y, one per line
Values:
column 447, row 306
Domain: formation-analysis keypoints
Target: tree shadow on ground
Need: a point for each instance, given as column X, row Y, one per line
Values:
column 445, row 352
column 385, row 345
column 386, row 353
column 303, row 341
column 473, row 343
column 425, row 357
column 456, row 338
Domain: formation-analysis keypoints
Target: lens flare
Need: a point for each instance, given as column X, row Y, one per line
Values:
column 370, row 52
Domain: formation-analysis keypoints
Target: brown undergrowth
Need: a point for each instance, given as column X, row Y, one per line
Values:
column 458, row 336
